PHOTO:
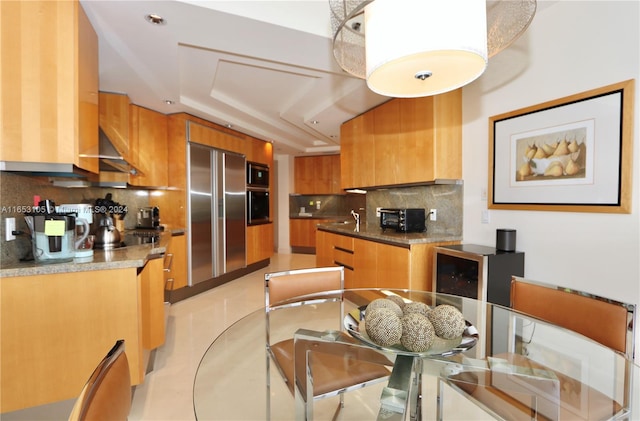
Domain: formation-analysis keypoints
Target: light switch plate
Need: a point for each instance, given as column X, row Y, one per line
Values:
column 485, row 216
column 10, row 226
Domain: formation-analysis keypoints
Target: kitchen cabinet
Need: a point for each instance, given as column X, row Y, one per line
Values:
column 56, row 327
column 317, row 174
column 148, row 143
column 175, row 271
column 259, row 151
column 259, row 243
column 49, row 86
column 373, row 264
column 151, row 280
column 302, row 233
column 404, row 141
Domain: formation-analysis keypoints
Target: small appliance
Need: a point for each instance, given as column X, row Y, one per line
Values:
column 148, row 218
column 53, row 234
column 403, row 219
column 84, row 241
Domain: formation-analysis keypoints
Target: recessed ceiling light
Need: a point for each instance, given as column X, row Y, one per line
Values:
column 169, row 102
column 228, row 125
column 155, row 19
column 314, row 122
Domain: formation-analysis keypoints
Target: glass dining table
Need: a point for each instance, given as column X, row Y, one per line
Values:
column 503, row 356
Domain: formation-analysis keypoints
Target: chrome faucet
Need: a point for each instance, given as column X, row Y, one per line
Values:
column 356, row 216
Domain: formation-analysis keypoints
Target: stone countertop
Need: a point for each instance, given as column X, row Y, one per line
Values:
column 319, row 216
column 373, row 232
column 120, row 258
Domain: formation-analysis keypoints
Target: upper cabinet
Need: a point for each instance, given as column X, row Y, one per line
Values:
column 49, row 85
column 148, row 144
column 404, row 141
column 317, row 174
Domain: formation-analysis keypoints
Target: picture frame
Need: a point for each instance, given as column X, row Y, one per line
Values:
column 573, row 154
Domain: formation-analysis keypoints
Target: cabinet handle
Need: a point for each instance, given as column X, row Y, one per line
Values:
column 342, row 264
column 167, row 267
column 343, row 249
column 166, row 284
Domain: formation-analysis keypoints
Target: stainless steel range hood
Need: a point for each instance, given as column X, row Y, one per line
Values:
column 110, row 160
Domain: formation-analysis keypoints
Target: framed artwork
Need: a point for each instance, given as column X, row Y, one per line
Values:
column 572, row 154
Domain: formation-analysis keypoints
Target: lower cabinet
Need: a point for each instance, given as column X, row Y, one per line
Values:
column 302, row 233
column 151, row 280
column 63, row 324
column 259, row 242
column 175, row 265
column 371, row 264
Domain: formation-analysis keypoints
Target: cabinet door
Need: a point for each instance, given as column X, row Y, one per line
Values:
column 152, row 291
column 259, row 242
column 365, row 257
column 415, row 142
column 304, row 174
column 393, row 266
column 347, row 153
column 364, row 152
column 388, row 152
column 324, row 249
column 49, row 86
column 335, row 175
column 175, row 274
column 149, row 143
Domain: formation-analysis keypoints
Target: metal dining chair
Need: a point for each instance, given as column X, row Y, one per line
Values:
column 333, row 375
column 608, row 322
column 107, row 393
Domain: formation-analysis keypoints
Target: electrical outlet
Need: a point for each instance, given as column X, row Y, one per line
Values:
column 433, row 214
column 378, row 212
column 318, row 204
column 9, row 227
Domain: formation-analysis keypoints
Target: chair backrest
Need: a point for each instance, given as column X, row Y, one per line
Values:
column 608, row 322
column 107, row 393
column 280, row 286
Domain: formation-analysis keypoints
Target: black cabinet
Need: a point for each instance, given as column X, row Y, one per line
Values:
column 475, row 271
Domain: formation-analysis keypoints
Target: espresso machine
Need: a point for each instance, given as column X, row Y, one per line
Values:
column 53, row 233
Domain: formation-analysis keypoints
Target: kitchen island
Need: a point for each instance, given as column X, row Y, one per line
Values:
column 374, row 258
column 59, row 320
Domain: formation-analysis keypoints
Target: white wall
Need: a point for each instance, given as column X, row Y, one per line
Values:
column 284, row 188
column 570, row 47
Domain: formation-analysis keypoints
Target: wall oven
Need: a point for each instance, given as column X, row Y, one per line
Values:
column 257, row 206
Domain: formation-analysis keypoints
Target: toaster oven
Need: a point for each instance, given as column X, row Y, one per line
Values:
column 403, row 219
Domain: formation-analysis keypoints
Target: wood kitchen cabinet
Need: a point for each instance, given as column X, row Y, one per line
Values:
column 259, row 243
column 151, row 280
column 175, row 270
column 49, row 86
column 148, row 143
column 372, row 264
column 302, row 233
column 317, row 174
column 404, row 141
column 57, row 327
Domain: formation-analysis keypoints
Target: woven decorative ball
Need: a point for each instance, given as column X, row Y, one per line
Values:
column 447, row 321
column 416, row 307
column 417, row 332
column 385, row 303
column 383, row 326
column 398, row 300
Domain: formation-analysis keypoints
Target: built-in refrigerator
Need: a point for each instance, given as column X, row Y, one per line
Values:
column 217, row 212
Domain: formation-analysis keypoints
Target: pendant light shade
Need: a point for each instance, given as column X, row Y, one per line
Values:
column 424, row 47
column 412, row 48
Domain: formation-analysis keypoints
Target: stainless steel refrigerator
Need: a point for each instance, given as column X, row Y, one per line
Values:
column 217, row 212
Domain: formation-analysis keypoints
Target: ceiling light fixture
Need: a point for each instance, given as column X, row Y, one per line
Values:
column 169, row 102
column 155, row 19
column 314, row 122
column 418, row 48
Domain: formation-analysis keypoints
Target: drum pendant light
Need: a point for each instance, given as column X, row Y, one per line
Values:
column 424, row 47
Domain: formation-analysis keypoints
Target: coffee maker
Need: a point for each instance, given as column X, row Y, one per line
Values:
column 83, row 212
column 53, row 234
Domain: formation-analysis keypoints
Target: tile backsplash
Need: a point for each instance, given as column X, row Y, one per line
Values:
column 16, row 195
